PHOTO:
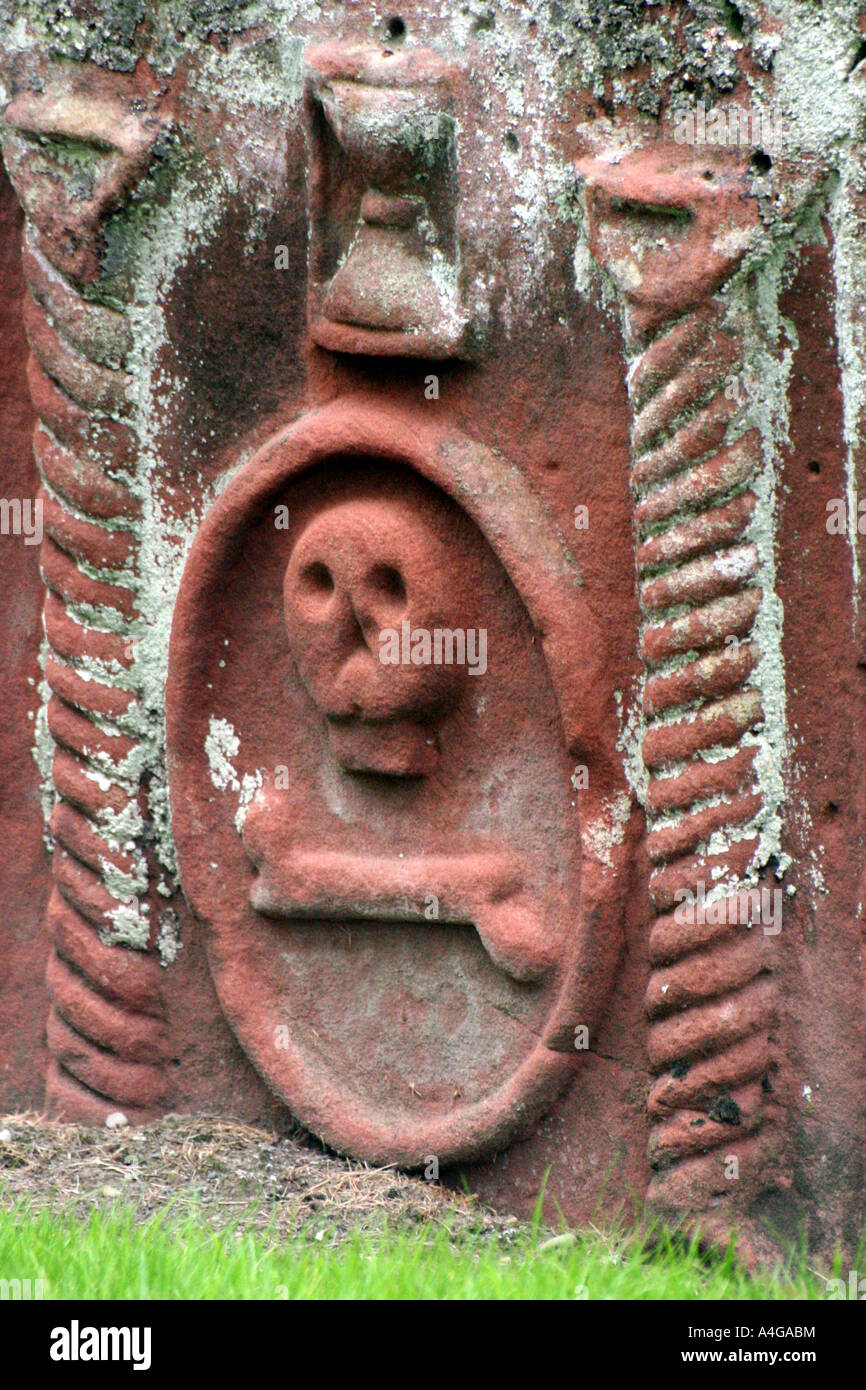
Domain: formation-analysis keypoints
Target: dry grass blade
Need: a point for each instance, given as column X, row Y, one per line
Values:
column 220, row 1168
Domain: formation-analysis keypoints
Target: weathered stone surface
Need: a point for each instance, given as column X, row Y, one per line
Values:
column 450, row 708
column 23, row 875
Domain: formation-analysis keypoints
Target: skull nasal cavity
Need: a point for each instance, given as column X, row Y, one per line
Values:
column 317, row 579
column 389, row 582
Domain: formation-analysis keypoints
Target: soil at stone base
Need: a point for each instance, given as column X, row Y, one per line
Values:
column 223, row 1172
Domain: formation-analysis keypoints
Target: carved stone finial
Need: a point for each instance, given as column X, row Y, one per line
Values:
column 74, row 159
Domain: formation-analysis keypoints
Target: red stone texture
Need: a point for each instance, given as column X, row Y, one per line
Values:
column 403, row 891
column 24, row 879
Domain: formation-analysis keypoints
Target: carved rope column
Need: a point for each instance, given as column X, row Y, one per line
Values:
column 74, row 162
column 672, row 237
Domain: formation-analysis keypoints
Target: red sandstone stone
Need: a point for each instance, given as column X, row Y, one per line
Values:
column 319, row 368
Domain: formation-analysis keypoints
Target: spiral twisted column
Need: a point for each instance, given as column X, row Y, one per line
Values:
column 105, row 1026
column 671, row 239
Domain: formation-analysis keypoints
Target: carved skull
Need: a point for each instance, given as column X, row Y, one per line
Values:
column 361, row 570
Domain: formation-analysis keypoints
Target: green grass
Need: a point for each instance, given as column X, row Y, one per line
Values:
column 109, row 1257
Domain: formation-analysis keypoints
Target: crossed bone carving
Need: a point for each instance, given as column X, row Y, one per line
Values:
column 484, row 888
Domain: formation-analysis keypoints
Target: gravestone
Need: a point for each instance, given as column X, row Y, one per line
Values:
column 432, row 552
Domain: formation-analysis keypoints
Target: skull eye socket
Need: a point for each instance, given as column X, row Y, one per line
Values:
column 388, row 581
column 316, row 579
